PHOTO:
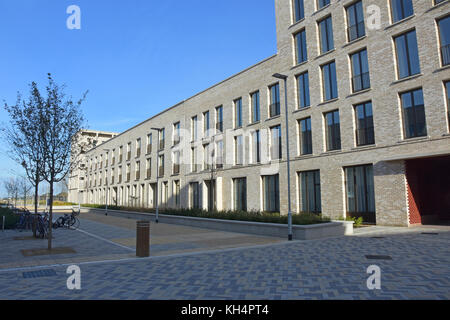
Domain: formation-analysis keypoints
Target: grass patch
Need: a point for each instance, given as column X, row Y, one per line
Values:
column 255, row 216
column 11, row 218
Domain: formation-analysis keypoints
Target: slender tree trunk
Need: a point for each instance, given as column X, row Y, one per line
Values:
column 50, row 219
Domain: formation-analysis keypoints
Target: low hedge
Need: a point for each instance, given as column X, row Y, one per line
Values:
column 11, row 219
column 255, row 216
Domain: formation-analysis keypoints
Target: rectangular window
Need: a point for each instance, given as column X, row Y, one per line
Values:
column 195, row 195
column 176, row 162
column 365, row 134
column 300, row 45
column 194, row 128
column 219, row 154
column 138, row 148
column 161, row 166
column 148, row 169
column 271, row 193
column 128, row 172
column 176, row 133
column 305, row 136
column 238, row 113
column 256, row 113
column 275, row 143
column 256, row 146
column 303, row 90
column 165, row 194
column 238, row 150
column 355, row 21
column 128, row 151
column 310, row 192
column 444, row 35
column 274, row 108
column 138, row 170
column 299, row 10
column 207, row 159
column 219, row 119
column 333, row 130
column 162, row 139
column 176, row 193
column 360, row 192
column 322, row 3
column 329, row 79
column 407, row 54
column 240, row 194
column 194, row 159
column 401, row 9
column 414, row 121
column 149, row 143
column 206, row 124
column 326, row 35
column 360, row 71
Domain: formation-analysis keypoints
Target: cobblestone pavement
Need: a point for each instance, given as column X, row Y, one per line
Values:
column 332, row 268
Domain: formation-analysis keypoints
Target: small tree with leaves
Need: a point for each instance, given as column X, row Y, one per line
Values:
column 23, row 136
column 62, row 120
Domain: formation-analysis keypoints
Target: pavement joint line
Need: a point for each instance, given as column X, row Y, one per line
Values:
column 176, row 255
column 106, row 240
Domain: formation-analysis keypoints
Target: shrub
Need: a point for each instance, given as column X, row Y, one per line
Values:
column 358, row 221
column 255, row 216
column 11, row 219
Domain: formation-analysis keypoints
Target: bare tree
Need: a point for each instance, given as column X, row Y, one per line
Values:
column 24, row 187
column 62, row 120
column 23, row 137
column 12, row 189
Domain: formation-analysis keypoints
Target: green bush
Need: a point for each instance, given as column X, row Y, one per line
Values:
column 11, row 218
column 358, row 221
column 255, row 216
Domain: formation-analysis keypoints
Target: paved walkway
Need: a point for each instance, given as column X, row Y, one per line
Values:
column 319, row 269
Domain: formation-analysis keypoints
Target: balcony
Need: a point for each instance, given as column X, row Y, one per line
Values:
column 356, row 31
column 445, row 51
column 361, row 82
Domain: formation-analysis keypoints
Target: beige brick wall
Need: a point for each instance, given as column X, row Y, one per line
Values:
column 390, row 189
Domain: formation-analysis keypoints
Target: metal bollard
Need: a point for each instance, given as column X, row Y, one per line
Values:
column 143, row 239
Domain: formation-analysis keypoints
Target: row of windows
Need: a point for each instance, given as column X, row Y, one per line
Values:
column 414, row 125
column 359, row 185
column 400, row 9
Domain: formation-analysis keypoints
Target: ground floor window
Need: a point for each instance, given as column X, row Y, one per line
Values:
column 240, row 194
column 195, row 195
column 310, row 191
column 271, row 193
column 176, row 192
column 360, row 192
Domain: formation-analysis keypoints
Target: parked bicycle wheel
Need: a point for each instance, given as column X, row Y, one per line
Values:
column 74, row 223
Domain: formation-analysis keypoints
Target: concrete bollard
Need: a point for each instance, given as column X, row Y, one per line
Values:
column 143, row 239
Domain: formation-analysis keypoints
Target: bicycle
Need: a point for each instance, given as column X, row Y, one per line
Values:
column 25, row 221
column 42, row 226
column 68, row 221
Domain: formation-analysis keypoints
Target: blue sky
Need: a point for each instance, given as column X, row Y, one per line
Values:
column 136, row 57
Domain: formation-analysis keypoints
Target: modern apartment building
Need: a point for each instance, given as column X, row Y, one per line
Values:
column 368, row 88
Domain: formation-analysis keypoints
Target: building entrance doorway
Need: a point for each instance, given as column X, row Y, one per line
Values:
column 429, row 190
